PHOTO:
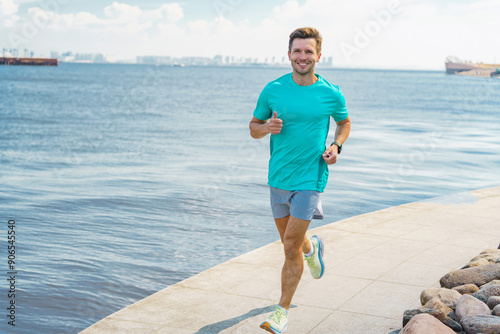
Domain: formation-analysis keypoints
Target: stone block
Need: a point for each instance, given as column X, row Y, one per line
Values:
column 493, row 301
column 494, row 282
column 478, row 262
column 469, row 306
column 466, row 289
column 425, row 323
column 476, row 275
column 447, row 296
column 436, row 304
column 409, row 314
column 489, row 255
column 488, row 291
column 484, row 324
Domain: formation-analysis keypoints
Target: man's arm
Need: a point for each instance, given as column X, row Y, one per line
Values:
column 341, row 135
column 259, row 128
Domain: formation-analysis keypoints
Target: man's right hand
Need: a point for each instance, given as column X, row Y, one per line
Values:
column 275, row 124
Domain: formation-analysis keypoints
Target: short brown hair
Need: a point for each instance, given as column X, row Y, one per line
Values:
column 306, row 32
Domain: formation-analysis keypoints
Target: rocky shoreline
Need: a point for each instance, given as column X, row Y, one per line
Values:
column 468, row 301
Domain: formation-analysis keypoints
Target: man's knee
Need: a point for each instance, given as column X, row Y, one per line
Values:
column 294, row 236
column 293, row 247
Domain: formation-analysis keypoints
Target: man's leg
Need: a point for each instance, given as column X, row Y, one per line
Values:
column 281, row 224
column 293, row 235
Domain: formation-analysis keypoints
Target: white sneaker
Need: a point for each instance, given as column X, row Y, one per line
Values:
column 315, row 261
column 277, row 321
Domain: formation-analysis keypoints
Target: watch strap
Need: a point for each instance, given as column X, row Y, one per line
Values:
column 339, row 145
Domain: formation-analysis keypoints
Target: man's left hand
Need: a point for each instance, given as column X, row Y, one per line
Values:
column 330, row 155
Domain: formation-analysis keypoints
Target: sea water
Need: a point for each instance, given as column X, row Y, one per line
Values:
column 125, row 179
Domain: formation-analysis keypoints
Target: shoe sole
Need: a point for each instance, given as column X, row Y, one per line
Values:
column 268, row 328
column 320, row 255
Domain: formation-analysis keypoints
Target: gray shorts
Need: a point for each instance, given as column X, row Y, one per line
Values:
column 302, row 204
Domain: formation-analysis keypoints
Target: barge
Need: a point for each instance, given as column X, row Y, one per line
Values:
column 455, row 65
column 29, row 61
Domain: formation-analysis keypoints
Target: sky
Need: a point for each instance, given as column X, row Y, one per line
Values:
column 410, row 34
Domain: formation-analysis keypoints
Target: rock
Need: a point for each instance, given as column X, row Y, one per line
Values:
column 409, row 314
column 452, row 315
column 489, row 255
column 466, row 289
column 493, row 301
column 485, row 324
column 478, row 262
column 470, row 295
column 425, row 324
column 494, row 282
column 443, row 317
column 476, row 275
column 488, row 291
column 447, row 296
column 469, row 306
column 436, row 304
column 490, row 251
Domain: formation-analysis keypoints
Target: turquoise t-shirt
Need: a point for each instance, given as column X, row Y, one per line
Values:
column 296, row 161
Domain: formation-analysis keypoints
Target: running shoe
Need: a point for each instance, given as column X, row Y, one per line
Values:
column 315, row 261
column 277, row 321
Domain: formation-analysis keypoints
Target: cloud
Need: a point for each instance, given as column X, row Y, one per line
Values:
column 426, row 32
column 371, row 33
column 120, row 12
column 172, row 12
column 117, row 21
column 8, row 10
column 288, row 11
column 395, row 33
column 198, row 27
column 8, row 7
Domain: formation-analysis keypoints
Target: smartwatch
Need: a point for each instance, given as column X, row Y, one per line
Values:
column 339, row 145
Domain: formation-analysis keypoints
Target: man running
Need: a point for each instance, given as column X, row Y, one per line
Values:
column 296, row 109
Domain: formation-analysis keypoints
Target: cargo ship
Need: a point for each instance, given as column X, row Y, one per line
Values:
column 29, row 61
column 455, row 65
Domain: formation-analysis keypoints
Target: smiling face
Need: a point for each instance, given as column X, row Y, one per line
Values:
column 303, row 55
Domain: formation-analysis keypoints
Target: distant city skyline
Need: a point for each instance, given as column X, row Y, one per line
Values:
column 414, row 34
column 70, row 56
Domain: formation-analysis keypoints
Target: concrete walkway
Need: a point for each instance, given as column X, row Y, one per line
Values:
column 376, row 266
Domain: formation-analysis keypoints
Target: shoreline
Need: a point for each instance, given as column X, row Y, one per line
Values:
column 376, row 265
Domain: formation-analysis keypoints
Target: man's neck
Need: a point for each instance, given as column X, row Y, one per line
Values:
column 304, row 79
